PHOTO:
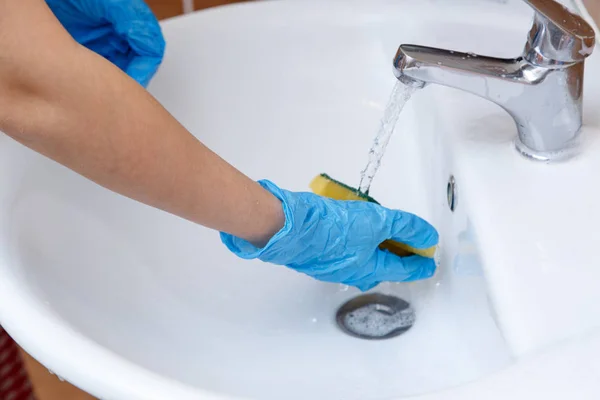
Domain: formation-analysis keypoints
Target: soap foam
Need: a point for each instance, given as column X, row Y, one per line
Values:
column 371, row 321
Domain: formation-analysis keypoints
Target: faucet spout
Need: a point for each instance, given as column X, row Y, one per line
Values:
column 547, row 131
column 542, row 89
column 466, row 71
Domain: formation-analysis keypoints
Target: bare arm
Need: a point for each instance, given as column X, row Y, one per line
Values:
column 73, row 106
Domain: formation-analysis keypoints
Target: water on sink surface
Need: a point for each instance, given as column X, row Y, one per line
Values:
column 398, row 99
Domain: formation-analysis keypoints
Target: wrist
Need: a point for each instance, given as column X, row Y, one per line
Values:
column 270, row 218
column 275, row 230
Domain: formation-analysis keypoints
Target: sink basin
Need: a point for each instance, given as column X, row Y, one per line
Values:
column 129, row 302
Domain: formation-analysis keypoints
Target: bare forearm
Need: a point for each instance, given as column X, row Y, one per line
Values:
column 78, row 109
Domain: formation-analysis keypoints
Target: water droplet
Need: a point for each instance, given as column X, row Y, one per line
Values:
column 471, row 54
column 314, row 320
column 503, row 75
column 464, row 58
column 344, row 288
column 439, row 63
column 451, row 51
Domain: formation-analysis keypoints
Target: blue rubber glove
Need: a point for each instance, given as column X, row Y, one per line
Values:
column 337, row 241
column 123, row 31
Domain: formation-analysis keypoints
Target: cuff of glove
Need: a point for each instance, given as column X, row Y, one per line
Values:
column 246, row 250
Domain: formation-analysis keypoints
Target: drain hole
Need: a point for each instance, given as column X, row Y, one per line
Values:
column 375, row 316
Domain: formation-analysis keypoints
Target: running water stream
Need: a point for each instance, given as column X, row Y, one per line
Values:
column 398, row 99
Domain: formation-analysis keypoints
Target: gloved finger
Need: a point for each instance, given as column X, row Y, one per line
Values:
column 404, row 269
column 109, row 44
column 412, row 230
column 142, row 69
column 86, row 35
column 113, row 49
column 121, row 60
column 345, row 271
column 134, row 21
column 364, row 286
column 134, row 32
column 371, row 273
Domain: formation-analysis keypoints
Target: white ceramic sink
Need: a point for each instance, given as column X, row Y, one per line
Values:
column 128, row 302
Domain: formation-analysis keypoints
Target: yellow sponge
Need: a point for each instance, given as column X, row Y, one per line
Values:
column 325, row 186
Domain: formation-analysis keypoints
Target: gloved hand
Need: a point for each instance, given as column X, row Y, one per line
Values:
column 337, row 241
column 123, row 31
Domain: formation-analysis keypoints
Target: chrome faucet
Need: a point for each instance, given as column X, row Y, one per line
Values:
column 542, row 89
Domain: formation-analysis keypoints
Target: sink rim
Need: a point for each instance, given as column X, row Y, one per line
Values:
column 41, row 320
column 141, row 383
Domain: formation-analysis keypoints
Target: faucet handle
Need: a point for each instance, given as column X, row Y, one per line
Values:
column 558, row 36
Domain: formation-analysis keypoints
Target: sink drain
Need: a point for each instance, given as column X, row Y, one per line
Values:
column 375, row 316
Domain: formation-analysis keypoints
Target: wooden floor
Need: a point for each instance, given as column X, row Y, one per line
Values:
column 47, row 386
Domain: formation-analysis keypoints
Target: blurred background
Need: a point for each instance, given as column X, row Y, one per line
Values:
column 170, row 8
